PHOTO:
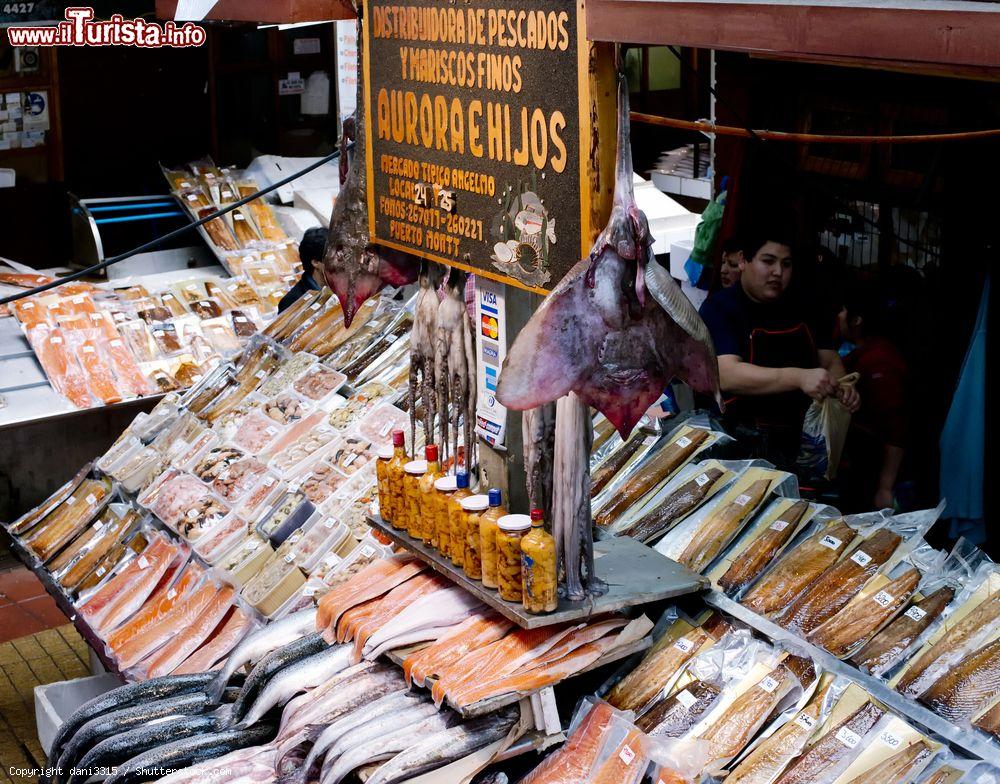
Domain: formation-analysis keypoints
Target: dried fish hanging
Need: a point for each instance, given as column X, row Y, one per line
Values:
column 422, row 353
column 455, row 369
column 355, row 268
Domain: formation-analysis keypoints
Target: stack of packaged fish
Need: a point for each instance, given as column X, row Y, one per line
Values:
column 470, row 655
column 249, row 241
column 239, row 502
column 112, row 343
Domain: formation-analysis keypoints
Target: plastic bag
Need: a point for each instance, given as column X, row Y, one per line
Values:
column 824, row 431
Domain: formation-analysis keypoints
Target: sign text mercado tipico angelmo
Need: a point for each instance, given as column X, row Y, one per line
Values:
column 490, row 134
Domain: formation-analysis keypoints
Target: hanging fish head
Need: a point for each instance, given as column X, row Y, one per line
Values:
column 599, row 334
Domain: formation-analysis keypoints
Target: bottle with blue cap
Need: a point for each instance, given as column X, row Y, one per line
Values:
column 456, row 544
column 488, row 536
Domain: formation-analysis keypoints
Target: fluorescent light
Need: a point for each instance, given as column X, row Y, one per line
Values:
column 293, row 26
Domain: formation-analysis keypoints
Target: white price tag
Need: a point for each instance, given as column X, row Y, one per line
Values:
column 171, row 593
column 191, row 287
column 96, row 316
column 626, row 754
column 98, row 527
column 143, row 562
column 779, row 525
column 889, row 739
column 915, row 613
column 240, row 319
column 682, row 442
column 28, row 306
column 100, row 571
column 309, row 590
column 769, row 684
column 90, row 499
column 289, row 558
column 861, row 558
column 192, row 197
column 117, row 343
column 56, row 340
column 329, row 522
column 331, row 560
column 686, row 698
column 384, row 430
column 260, row 374
column 805, row 721
column 701, row 480
column 368, row 551
column 741, row 500
column 252, row 544
column 315, row 306
column 390, row 339
column 70, row 501
column 88, row 349
column 848, row 737
column 192, row 514
column 185, row 184
column 237, row 216
column 884, row 599
column 684, row 645
column 830, row 541
column 271, row 430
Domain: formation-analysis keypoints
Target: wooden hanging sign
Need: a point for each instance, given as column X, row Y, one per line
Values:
column 490, row 133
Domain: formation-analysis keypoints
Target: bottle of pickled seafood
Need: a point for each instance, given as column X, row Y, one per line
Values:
column 428, row 499
column 510, row 530
column 382, row 475
column 488, row 537
column 457, row 518
column 472, row 509
column 538, row 567
column 411, row 497
column 446, row 487
column 395, row 512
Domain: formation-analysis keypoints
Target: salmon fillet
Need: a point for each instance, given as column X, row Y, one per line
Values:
column 104, row 600
column 967, row 688
column 887, row 647
column 178, row 617
column 100, row 378
column 797, row 569
column 186, row 639
column 398, row 599
column 573, row 762
column 757, row 556
column 230, row 631
column 721, row 525
column 60, row 366
column 128, row 602
column 657, row 667
column 471, row 634
column 626, row 763
column 158, row 605
column 378, row 578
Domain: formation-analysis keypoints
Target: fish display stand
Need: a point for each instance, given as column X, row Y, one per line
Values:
column 635, row 575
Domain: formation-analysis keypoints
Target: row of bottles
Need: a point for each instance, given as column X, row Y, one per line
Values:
column 511, row 553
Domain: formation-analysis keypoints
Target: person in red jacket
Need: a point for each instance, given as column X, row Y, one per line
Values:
column 876, row 442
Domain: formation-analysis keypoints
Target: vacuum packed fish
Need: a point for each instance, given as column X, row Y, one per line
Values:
column 721, row 525
column 888, row 647
column 671, row 509
column 759, row 554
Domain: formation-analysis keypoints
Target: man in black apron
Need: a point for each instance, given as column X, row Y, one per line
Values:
column 775, row 353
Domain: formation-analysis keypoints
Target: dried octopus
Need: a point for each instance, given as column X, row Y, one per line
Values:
column 599, row 340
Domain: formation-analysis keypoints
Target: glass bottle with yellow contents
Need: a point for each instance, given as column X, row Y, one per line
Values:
column 510, row 530
column 472, row 510
column 457, row 518
column 488, row 537
column 382, row 478
column 394, row 511
column 411, row 496
column 428, row 501
column 445, row 488
column 538, row 567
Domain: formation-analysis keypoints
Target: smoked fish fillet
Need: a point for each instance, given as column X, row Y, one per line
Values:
column 840, row 583
column 764, row 764
column 948, row 649
column 898, row 769
column 498, row 658
column 471, row 634
column 615, row 462
column 61, row 368
column 829, row 751
column 353, row 617
column 842, row 634
column 667, row 513
column 157, row 606
column 759, row 554
column 128, row 602
column 657, row 667
column 186, row 639
column 394, row 602
column 968, row 687
column 573, row 653
column 378, row 578
column 797, row 569
column 100, row 377
column 945, row 775
column 721, row 525
column 572, row 763
column 229, row 632
column 180, row 616
column 673, row 717
column 30, row 519
column 103, row 601
column 887, row 647
column 657, row 468
column 990, row 721
column 68, row 519
column 738, row 723
column 626, row 763
column 130, row 378
column 74, row 562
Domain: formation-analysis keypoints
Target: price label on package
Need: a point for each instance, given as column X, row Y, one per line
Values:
column 861, row 558
column 830, row 541
column 686, row 698
column 884, row 599
column 701, row 480
column 805, row 721
column 769, row 684
column 683, row 441
column 779, row 525
column 890, row 740
column 848, row 737
column 626, row 754
column 684, row 645
column 915, row 613
column 741, row 500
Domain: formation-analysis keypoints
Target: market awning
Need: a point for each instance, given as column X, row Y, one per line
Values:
column 268, row 11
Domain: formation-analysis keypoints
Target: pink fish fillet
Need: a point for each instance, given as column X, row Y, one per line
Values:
column 361, row 589
column 128, row 602
column 97, row 606
column 227, row 634
column 390, row 606
column 469, row 635
column 169, row 593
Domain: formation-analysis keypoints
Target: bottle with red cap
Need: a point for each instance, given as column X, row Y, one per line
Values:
column 428, row 502
column 393, row 510
column 539, row 582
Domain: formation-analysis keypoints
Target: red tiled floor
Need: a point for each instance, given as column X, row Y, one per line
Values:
column 44, row 609
column 19, row 585
column 15, row 622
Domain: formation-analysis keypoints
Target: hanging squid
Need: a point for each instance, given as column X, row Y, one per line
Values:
column 354, row 267
column 451, row 380
column 601, row 340
column 423, row 351
column 538, row 430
